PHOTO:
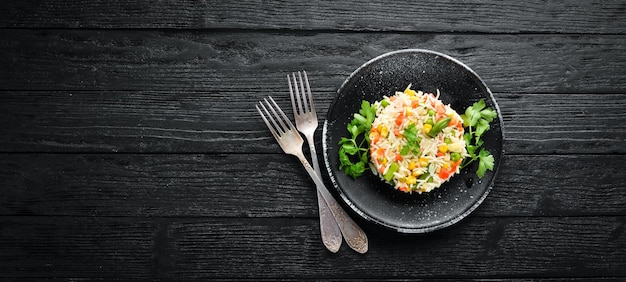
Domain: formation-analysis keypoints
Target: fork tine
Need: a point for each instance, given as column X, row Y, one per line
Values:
column 305, row 108
column 284, row 117
column 308, row 88
column 279, row 125
column 269, row 125
column 293, row 101
column 300, row 110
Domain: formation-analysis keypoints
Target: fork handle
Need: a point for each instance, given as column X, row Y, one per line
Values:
column 311, row 140
column 330, row 232
column 354, row 235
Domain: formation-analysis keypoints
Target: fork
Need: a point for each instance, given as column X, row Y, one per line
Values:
column 291, row 142
column 306, row 122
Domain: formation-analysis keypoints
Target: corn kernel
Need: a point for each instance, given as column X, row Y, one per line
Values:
column 384, row 131
column 423, row 162
column 384, row 162
column 454, row 147
column 443, row 148
column 446, row 165
column 427, row 127
column 410, row 92
column 412, row 165
column 411, row 180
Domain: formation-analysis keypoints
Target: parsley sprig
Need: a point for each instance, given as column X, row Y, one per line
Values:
column 412, row 140
column 476, row 119
column 354, row 151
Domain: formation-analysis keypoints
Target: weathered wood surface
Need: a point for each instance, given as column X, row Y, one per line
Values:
column 201, row 248
column 274, row 185
column 207, row 122
column 130, row 146
column 565, row 16
column 255, row 62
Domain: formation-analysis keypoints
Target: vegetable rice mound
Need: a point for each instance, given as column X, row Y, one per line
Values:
column 416, row 142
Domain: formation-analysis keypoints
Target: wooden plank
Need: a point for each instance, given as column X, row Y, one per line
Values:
column 76, row 247
column 206, row 248
column 535, row 247
column 431, row 16
column 274, row 185
column 222, row 122
column 180, row 61
column 563, row 123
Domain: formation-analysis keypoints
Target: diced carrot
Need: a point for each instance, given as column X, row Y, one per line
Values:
column 403, row 188
column 453, row 121
column 398, row 157
column 440, row 154
column 396, row 132
column 375, row 139
column 455, row 165
column 415, row 103
column 459, row 127
column 400, row 119
column 444, row 173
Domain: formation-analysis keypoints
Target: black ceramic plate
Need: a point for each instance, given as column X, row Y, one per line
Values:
column 377, row 201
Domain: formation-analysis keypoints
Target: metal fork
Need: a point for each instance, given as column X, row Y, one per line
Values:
column 291, row 142
column 306, row 122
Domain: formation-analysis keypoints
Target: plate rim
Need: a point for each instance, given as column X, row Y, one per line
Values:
column 352, row 205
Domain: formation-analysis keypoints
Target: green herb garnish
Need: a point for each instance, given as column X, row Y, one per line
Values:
column 412, row 140
column 354, row 151
column 476, row 119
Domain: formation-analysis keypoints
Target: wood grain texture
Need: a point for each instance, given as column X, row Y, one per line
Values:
column 274, row 185
column 565, row 16
column 130, row 147
column 223, row 122
column 76, row 247
column 203, row 248
column 257, row 62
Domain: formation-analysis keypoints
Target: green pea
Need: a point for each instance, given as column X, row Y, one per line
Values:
column 454, row 156
column 385, row 102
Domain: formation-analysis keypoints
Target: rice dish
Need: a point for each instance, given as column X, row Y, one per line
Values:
column 416, row 142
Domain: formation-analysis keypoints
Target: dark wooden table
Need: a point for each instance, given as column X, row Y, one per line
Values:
column 130, row 146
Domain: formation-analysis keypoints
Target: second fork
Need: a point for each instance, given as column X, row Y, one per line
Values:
column 306, row 122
